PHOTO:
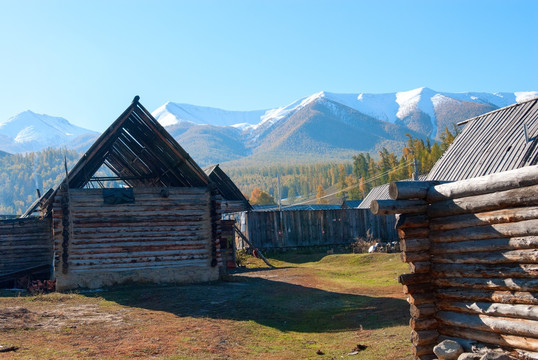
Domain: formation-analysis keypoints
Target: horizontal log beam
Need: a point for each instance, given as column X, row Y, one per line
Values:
column 519, row 197
column 420, row 267
column 111, row 268
column 502, row 325
column 506, row 341
column 420, row 298
column 422, row 311
column 529, row 312
column 423, row 323
column 517, row 243
column 424, row 352
column 412, row 221
column 512, row 256
column 424, row 337
column 405, row 190
column 411, row 279
column 419, row 256
column 506, row 180
column 479, row 295
column 408, row 233
column 485, row 270
column 414, row 244
column 517, row 229
column 387, row 207
column 510, row 215
column 489, row 283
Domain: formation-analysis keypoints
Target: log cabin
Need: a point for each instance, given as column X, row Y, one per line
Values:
column 470, row 236
column 135, row 208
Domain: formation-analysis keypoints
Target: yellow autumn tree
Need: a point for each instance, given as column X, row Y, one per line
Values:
column 260, row 197
column 320, row 196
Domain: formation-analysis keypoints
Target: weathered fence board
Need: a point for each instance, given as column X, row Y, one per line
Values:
column 24, row 243
column 311, row 228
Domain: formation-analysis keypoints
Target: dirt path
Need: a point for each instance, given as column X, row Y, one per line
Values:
column 286, row 313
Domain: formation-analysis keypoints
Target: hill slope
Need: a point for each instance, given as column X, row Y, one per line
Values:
column 321, row 127
column 29, row 131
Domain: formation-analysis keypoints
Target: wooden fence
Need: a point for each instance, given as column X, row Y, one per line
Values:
column 314, row 228
column 472, row 247
column 24, row 244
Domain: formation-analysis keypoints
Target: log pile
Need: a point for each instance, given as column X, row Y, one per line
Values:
column 472, row 248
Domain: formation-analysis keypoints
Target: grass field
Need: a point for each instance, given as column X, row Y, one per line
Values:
column 312, row 306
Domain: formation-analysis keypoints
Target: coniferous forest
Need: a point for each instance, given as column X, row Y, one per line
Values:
column 21, row 175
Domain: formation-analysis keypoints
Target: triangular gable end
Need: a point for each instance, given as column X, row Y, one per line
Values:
column 140, row 152
column 226, row 187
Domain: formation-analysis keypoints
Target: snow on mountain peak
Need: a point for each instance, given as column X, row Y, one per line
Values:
column 172, row 113
column 272, row 116
column 525, row 95
column 391, row 107
column 32, row 132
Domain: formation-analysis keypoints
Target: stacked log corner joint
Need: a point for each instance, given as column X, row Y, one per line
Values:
column 472, row 249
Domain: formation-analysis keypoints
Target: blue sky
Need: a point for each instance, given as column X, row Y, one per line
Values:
column 85, row 60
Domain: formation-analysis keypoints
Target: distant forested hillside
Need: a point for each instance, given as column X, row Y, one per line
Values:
column 21, row 175
column 351, row 180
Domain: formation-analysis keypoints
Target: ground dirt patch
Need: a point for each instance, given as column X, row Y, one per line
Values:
column 329, row 304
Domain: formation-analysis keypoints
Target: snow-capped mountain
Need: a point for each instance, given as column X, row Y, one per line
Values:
column 171, row 114
column 29, row 131
column 322, row 126
column 423, row 110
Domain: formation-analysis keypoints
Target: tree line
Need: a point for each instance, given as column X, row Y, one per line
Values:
column 21, row 175
column 350, row 181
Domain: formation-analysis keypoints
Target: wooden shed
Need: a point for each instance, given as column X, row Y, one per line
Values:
column 153, row 217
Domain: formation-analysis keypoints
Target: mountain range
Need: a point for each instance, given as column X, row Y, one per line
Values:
column 320, row 127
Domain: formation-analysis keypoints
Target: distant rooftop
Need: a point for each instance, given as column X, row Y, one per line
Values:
column 500, row 140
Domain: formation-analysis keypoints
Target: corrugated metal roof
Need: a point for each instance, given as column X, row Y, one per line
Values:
column 268, row 208
column 381, row 192
column 351, row 204
column 491, row 143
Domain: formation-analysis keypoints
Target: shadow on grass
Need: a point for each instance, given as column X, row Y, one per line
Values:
column 276, row 304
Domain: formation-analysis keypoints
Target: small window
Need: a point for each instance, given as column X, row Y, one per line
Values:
column 118, row 196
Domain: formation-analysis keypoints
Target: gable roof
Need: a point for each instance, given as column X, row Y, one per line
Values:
column 491, row 143
column 224, row 184
column 140, row 152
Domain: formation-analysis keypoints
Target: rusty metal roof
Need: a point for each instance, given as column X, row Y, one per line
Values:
column 491, row 143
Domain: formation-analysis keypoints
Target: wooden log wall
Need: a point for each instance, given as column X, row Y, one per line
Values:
column 24, row 244
column 164, row 236
column 473, row 255
column 311, row 228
